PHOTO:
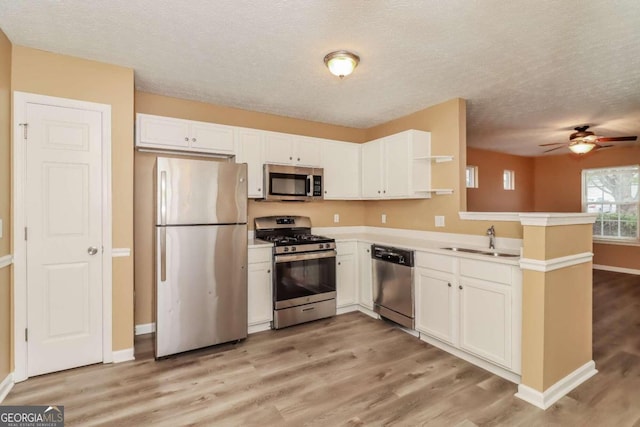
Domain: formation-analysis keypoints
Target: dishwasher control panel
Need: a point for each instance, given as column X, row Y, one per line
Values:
column 392, row 255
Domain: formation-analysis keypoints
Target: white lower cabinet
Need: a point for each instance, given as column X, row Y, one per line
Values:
column 259, row 296
column 457, row 305
column 436, row 300
column 346, row 274
column 365, row 281
column 485, row 320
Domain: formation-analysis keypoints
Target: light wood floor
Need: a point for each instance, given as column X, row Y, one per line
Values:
column 348, row 370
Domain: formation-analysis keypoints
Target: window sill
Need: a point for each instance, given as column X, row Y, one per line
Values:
column 616, row 242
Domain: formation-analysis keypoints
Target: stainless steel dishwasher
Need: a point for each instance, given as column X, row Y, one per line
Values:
column 393, row 284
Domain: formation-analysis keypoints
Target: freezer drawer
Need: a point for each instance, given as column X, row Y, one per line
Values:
column 201, row 286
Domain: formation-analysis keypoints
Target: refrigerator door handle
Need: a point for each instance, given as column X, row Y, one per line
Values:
column 163, row 198
column 163, row 254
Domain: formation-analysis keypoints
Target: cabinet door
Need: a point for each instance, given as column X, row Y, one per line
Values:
column 308, row 151
column 163, row 132
column 251, row 152
column 365, row 294
column 372, row 171
column 212, row 138
column 260, row 306
column 278, row 148
column 435, row 304
column 341, row 163
column 397, row 166
column 346, row 280
column 485, row 320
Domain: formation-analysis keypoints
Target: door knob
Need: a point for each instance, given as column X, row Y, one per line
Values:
column 92, row 250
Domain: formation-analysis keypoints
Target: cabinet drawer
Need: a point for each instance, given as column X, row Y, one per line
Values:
column 435, row 261
column 259, row 255
column 343, row 248
column 490, row 271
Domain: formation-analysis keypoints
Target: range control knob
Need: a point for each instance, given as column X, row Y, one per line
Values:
column 286, row 249
column 293, row 249
column 320, row 246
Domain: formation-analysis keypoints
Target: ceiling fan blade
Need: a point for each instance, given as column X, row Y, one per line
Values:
column 553, row 143
column 598, row 146
column 617, row 138
column 553, row 149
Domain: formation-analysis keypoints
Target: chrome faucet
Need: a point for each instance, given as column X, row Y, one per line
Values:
column 491, row 232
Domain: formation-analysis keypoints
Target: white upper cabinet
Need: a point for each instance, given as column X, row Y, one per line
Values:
column 287, row 149
column 341, row 163
column 168, row 133
column 399, row 166
column 250, row 144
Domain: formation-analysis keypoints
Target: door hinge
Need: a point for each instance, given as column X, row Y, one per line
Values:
column 26, row 334
column 24, row 129
column 25, row 233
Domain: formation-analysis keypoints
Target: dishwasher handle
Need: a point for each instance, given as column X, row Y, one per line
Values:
column 392, row 255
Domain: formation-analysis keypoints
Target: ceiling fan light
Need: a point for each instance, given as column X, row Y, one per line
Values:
column 341, row 63
column 581, row 146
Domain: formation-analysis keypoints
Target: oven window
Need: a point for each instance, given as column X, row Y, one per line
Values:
column 286, row 184
column 304, row 278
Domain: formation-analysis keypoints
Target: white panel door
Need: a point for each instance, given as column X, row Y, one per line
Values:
column 365, row 293
column 308, row 151
column 435, row 304
column 260, row 297
column 372, row 171
column 397, row 165
column 341, row 163
column 346, row 274
column 251, row 152
column 278, row 148
column 64, row 244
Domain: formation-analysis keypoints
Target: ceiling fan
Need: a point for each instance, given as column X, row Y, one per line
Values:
column 582, row 141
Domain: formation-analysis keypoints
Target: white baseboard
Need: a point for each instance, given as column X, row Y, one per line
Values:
column 554, row 393
column 368, row 312
column 347, row 309
column 259, row 327
column 145, row 328
column 616, row 269
column 487, row 366
column 123, row 355
column 5, row 386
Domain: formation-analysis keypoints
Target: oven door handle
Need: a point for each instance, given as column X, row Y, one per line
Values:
column 304, row 257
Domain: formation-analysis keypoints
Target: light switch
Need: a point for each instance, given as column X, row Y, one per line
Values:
column 439, row 221
column 336, row 217
column 384, row 218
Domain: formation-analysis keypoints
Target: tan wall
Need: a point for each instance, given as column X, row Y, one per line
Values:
column 491, row 196
column 6, row 296
column 63, row 76
column 558, row 188
column 556, row 306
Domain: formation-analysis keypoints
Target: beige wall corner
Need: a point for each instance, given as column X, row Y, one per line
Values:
column 46, row 73
column 6, row 284
column 556, row 307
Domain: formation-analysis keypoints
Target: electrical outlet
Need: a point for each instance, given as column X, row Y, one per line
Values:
column 439, row 221
column 336, row 217
column 383, row 218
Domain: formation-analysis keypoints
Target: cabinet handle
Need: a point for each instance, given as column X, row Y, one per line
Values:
column 385, row 191
column 268, row 271
column 339, row 263
column 460, row 287
column 193, row 140
column 290, row 158
column 368, row 252
column 298, row 158
column 378, row 191
column 259, row 189
column 449, row 284
column 325, row 191
column 186, row 138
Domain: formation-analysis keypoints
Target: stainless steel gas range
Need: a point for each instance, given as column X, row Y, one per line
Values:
column 304, row 266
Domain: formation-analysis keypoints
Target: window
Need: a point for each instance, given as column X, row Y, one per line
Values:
column 612, row 193
column 509, row 180
column 472, row 176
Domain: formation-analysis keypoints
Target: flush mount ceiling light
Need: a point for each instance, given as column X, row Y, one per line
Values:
column 341, row 62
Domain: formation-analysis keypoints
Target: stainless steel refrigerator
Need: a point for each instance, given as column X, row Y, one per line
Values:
column 201, row 254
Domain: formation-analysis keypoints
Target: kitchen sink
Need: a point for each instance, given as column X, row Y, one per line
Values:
column 481, row 252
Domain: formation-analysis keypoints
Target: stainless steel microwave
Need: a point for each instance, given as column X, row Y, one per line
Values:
column 292, row 183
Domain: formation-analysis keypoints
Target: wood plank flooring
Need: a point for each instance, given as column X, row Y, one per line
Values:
column 348, row 370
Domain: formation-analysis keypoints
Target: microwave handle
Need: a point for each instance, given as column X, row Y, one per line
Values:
column 309, row 185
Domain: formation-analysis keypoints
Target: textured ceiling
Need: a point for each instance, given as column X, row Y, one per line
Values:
column 530, row 70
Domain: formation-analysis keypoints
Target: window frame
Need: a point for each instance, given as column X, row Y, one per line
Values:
column 511, row 181
column 474, row 175
column 585, row 203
